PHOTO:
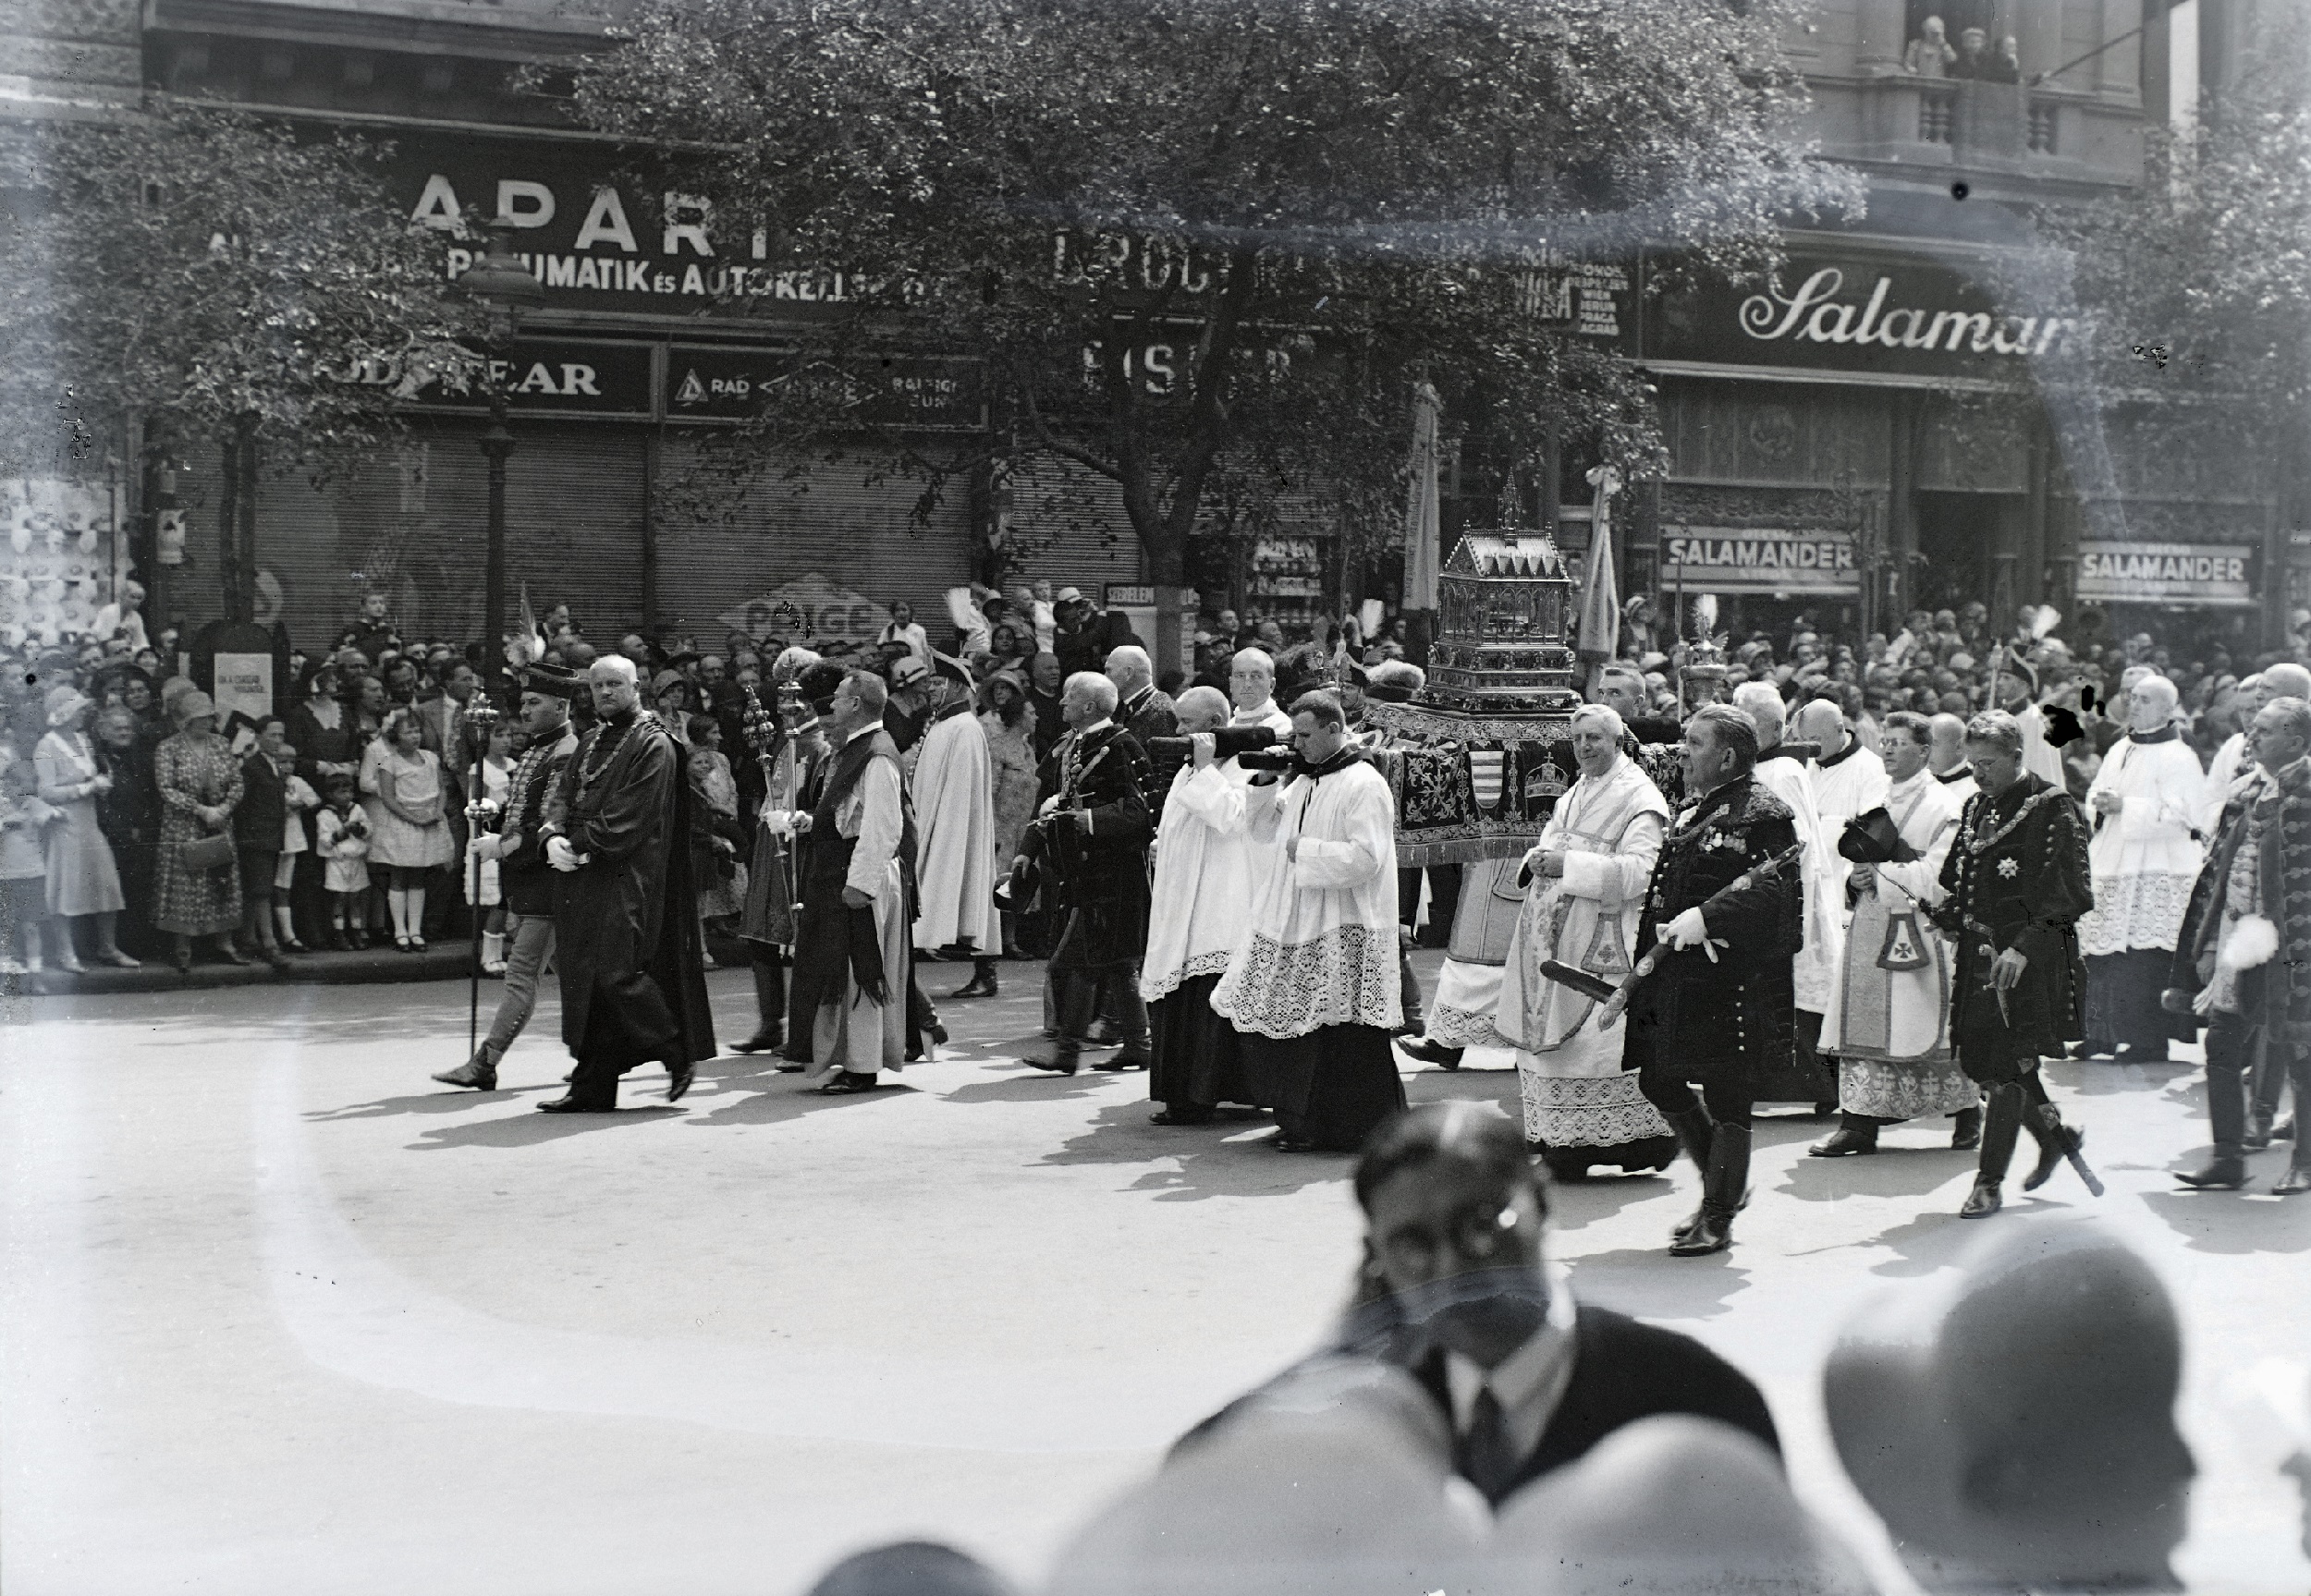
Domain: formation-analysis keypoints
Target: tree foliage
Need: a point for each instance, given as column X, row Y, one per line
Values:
column 215, row 275
column 1308, row 201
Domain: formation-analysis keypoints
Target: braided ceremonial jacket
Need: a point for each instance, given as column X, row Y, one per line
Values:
column 2017, row 877
column 1102, row 873
column 2273, row 817
column 1736, row 1011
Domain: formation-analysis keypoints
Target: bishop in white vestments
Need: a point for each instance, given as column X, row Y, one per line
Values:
column 1889, row 1026
column 954, row 797
column 1314, row 995
column 1588, row 873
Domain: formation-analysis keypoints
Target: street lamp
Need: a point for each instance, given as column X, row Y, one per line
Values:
column 502, row 287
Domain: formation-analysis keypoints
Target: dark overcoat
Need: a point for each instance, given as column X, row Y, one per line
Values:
column 1100, row 878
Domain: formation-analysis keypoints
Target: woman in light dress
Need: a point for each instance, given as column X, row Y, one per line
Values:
column 84, row 882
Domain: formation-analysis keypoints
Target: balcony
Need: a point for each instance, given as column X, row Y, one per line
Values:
column 2004, row 138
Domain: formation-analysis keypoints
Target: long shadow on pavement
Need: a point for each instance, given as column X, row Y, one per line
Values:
column 1651, row 1285
column 771, row 1107
column 2236, row 1222
column 1892, row 1172
column 1575, row 1205
column 533, row 1128
column 1213, row 1160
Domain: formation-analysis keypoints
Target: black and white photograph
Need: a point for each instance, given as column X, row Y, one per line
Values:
column 1154, row 797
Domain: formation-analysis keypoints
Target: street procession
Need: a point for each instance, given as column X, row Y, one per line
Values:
column 1024, row 799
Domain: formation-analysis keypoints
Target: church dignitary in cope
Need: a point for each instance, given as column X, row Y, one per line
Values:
column 626, row 918
column 1456, row 1289
column 2143, row 809
column 1889, row 1027
column 954, row 803
column 2243, row 959
column 1199, row 914
column 1717, row 1009
column 2014, row 882
column 1781, row 771
column 1090, row 837
column 852, row 952
column 526, row 881
column 1314, row 992
column 1588, row 875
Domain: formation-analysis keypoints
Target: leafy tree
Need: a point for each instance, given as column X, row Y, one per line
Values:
column 233, row 284
column 1307, row 204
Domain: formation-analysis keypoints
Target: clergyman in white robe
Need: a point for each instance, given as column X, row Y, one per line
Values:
column 1199, row 914
column 2145, row 853
column 954, row 793
column 1579, row 1106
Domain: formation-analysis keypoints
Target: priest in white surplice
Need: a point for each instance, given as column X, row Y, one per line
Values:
column 954, row 796
column 1201, row 913
column 1889, row 1027
column 1846, row 777
column 1313, row 995
column 1252, row 691
column 1813, row 974
column 2145, row 853
column 1588, row 873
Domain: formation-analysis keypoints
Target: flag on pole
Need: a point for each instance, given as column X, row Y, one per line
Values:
column 1423, row 524
column 1600, row 593
column 531, row 646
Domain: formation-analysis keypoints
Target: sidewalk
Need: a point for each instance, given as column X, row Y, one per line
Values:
column 442, row 961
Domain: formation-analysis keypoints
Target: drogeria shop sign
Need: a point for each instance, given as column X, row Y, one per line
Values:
column 2204, row 575
column 1861, row 314
column 1756, row 560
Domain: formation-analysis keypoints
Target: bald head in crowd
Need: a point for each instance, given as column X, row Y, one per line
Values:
column 1761, row 704
column 1949, row 738
column 2016, row 1427
column 1823, row 724
column 2288, row 681
column 1201, row 709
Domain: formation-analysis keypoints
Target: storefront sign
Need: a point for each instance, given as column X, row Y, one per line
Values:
column 2198, row 575
column 809, row 610
column 706, row 384
column 1750, row 560
column 1860, row 314
column 540, row 376
column 598, row 230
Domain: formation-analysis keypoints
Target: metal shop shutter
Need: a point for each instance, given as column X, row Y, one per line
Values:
column 1068, row 527
column 414, row 521
column 817, row 557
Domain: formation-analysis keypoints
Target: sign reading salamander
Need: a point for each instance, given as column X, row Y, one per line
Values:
column 2192, row 574
column 1756, row 560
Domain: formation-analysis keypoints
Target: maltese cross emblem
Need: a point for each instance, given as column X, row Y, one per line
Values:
column 2009, row 869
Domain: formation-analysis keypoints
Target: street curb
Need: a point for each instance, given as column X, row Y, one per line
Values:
column 369, row 967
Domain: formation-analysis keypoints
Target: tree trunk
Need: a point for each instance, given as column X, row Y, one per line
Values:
column 1167, row 564
column 246, row 530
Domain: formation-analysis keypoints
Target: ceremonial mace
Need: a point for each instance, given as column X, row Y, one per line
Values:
column 766, row 732
column 480, row 720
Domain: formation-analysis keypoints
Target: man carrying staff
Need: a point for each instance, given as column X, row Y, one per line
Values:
column 852, row 951
column 1314, row 992
column 626, row 916
column 2244, row 959
column 2016, row 883
column 525, row 879
column 1888, row 1024
column 1717, row 1009
column 1090, row 833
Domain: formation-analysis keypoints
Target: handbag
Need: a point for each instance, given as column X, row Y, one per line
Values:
column 212, row 852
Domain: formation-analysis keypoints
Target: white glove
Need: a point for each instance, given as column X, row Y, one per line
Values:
column 1687, row 931
column 481, row 809
column 485, row 844
column 561, row 856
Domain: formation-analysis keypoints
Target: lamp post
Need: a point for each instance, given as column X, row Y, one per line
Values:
column 502, row 287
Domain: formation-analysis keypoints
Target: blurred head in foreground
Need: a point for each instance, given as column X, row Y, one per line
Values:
column 2017, row 1426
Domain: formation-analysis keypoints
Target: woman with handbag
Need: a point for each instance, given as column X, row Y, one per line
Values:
column 84, row 882
column 197, row 891
column 409, row 835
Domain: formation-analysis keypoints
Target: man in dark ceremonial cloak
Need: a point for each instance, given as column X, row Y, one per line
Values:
column 2018, row 881
column 626, row 917
column 1719, row 1008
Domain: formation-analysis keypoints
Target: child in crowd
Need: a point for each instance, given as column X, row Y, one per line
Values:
column 716, row 868
column 24, row 822
column 341, row 835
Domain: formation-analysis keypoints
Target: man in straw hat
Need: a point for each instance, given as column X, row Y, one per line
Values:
column 526, row 881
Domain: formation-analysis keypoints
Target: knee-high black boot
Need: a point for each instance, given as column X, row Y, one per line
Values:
column 2002, row 1122
column 1695, row 1131
column 770, row 1009
column 2044, row 1122
column 1723, row 1191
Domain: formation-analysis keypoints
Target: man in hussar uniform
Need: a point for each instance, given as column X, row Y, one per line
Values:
column 1588, row 872
column 1312, row 994
column 1201, row 914
column 1716, row 1011
column 528, row 881
column 2143, row 809
column 851, row 949
column 626, row 915
column 2014, row 885
column 1889, row 1027
column 954, row 804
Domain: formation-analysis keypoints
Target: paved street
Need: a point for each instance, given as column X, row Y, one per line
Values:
column 284, row 1317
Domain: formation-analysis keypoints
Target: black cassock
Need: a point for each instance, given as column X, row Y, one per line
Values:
column 626, row 924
